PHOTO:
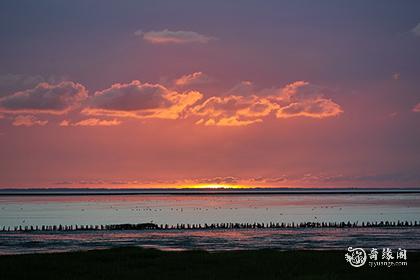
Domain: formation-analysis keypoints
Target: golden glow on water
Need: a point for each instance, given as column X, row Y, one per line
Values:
column 215, row 186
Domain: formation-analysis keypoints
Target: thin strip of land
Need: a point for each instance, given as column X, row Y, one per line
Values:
column 189, row 191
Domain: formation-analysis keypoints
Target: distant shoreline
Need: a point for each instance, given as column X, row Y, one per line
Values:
column 186, row 191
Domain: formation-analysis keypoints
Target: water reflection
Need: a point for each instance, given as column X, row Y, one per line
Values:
column 200, row 209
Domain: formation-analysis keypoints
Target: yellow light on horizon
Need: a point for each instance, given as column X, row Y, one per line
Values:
column 214, row 186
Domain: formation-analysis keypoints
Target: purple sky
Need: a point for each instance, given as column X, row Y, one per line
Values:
column 180, row 93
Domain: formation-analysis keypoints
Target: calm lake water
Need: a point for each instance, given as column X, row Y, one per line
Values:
column 200, row 209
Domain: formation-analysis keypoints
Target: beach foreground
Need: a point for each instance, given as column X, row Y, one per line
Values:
column 140, row 263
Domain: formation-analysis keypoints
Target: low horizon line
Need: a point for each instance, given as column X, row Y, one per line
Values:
column 205, row 191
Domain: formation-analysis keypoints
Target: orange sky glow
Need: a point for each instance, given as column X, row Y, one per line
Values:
column 314, row 95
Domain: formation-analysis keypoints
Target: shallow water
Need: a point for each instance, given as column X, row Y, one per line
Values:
column 200, row 209
column 283, row 239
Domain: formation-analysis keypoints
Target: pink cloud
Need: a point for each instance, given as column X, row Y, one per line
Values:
column 242, row 88
column 301, row 99
column 396, row 76
column 416, row 30
column 96, row 122
column 173, row 37
column 64, row 123
column 416, row 108
column 28, row 120
column 196, row 78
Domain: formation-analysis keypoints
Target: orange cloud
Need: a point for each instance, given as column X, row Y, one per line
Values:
column 92, row 122
column 141, row 101
column 301, row 99
column 28, row 120
column 173, row 37
column 155, row 101
column 298, row 99
column 45, row 98
column 65, row 123
column 316, row 108
column 232, row 110
column 196, row 78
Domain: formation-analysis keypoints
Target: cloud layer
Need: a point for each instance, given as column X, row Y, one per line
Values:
column 240, row 106
column 28, row 120
column 298, row 99
column 141, row 101
column 193, row 79
column 45, row 98
column 301, row 99
column 92, row 122
column 173, row 37
column 148, row 101
column 232, row 110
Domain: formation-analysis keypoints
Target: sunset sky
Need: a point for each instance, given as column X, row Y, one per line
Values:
column 187, row 93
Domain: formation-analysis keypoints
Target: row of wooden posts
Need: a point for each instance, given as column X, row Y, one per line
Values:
column 153, row 226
